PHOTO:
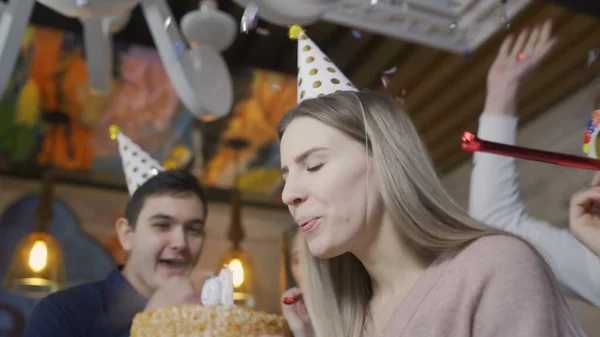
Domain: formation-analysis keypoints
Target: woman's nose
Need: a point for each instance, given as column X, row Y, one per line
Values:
column 292, row 194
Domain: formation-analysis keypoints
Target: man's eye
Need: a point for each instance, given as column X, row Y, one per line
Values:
column 196, row 230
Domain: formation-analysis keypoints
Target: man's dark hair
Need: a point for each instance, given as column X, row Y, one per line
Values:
column 173, row 183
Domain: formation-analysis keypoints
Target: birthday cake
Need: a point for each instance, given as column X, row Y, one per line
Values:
column 216, row 317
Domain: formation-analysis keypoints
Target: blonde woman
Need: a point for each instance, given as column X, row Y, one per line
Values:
column 388, row 251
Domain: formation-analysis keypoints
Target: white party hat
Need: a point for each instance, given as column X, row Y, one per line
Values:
column 137, row 164
column 317, row 75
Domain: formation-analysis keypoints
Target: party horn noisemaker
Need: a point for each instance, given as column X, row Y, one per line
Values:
column 292, row 299
column 471, row 143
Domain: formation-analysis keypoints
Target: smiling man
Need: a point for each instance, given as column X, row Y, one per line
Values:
column 162, row 233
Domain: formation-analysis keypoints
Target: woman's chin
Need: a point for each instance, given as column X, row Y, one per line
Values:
column 322, row 249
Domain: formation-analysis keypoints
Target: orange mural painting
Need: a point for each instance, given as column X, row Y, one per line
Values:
column 49, row 117
column 254, row 119
column 58, row 75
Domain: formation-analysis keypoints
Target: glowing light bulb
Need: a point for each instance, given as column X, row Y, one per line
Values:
column 238, row 272
column 38, row 256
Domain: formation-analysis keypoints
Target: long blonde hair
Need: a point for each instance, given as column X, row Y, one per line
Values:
column 412, row 194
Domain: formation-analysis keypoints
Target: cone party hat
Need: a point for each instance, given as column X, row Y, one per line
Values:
column 137, row 164
column 317, row 75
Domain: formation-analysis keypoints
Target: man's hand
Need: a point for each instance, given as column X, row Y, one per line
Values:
column 584, row 215
column 177, row 290
column 515, row 61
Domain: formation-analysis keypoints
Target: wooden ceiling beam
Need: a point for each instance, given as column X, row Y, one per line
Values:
column 409, row 69
column 348, row 47
column 475, row 73
column 379, row 59
column 566, row 55
column 441, row 78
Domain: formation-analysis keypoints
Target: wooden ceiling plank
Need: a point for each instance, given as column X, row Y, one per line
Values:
column 435, row 82
column 385, row 53
column 587, row 35
column 439, row 79
column 475, row 74
column 348, row 47
column 409, row 69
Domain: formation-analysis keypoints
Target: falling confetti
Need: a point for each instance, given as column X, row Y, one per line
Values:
column 452, row 25
column 503, row 14
column 386, row 76
column 81, row 3
column 168, row 22
column 262, row 31
column 592, row 56
column 402, row 98
column 249, row 18
column 356, row 33
column 179, row 47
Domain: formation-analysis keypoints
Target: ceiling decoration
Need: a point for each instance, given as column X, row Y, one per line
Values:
column 458, row 26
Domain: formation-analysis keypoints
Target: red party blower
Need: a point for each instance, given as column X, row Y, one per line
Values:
column 292, row 299
column 471, row 143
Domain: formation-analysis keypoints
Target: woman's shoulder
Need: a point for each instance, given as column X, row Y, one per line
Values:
column 497, row 254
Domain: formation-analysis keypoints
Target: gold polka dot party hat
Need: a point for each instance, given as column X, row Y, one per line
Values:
column 317, row 75
column 137, row 164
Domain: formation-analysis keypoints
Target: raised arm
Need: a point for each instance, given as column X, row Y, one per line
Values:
column 495, row 195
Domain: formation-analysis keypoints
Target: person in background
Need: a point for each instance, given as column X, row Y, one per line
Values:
column 162, row 233
column 296, row 314
column 495, row 194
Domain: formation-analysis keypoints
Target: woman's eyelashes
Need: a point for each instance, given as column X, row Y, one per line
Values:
column 314, row 168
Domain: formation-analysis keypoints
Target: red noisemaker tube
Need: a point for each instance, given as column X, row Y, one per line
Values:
column 292, row 299
column 471, row 143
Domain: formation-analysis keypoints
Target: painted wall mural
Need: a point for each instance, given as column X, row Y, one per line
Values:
column 48, row 116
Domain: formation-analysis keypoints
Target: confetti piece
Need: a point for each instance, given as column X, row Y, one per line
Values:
column 168, row 22
column 503, row 15
column 592, row 56
column 390, row 71
column 249, row 18
column 356, row 33
column 386, row 76
column 179, row 47
column 262, row 31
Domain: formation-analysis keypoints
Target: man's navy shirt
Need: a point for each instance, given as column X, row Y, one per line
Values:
column 99, row 309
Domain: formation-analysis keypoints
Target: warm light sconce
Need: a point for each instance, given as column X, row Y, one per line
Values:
column 37, row 267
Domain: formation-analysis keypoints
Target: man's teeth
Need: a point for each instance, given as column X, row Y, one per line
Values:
column 173, row 263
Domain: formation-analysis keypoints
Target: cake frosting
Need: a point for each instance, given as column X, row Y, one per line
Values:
column 216, row 317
